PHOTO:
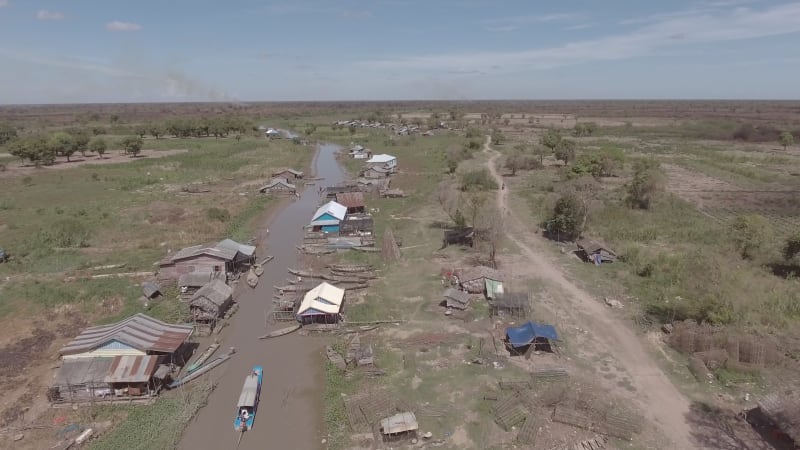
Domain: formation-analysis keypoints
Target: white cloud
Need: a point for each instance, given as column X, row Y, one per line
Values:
column 122, row 26
column 44, row 14
column 674, row 29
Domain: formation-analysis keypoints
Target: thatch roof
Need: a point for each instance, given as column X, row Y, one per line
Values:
column 456, row 299
column 216, row 292
column 478, row 273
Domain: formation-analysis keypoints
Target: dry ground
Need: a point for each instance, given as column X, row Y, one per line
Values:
column 109, row 158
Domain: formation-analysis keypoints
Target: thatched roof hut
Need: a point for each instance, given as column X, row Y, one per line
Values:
column 210, row 302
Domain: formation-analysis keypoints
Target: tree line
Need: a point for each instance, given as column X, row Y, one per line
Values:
column 43, row 148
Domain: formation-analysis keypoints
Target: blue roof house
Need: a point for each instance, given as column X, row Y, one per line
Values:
column 327, row 217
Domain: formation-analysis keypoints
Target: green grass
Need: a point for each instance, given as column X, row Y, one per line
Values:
column 155, row 426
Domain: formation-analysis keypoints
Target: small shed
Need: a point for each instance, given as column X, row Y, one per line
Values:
column 531, row 335
column 473, row 280
column 288, row 174
column 461, row 236
column 354, row 201
column 278, row 185
column 150, row 290
column 453, row 298
column 595, row 252
column 210, row 302
column 399, row 426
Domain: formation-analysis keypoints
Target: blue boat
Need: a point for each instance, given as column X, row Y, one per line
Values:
column 248, row 400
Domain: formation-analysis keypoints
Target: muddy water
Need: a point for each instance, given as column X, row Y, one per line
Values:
column 290, row 413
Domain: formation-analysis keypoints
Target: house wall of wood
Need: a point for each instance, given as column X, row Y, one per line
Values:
column 199, row 263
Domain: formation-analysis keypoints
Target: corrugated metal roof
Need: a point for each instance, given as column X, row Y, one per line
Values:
column 189, row 252
column 140, row 331
column 230, row 244
column 351, row 199
column 456, row 295
column 132, row 369
column 399, row 423
column 325, row 298
column 590, row 246
column 82, row 371
column 382, row 158
column 217, row 292
column 333, row 208
column 249, row 391
column 275, row 182
column 150, row 289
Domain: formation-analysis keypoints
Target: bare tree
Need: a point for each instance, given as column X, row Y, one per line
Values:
column 491, row 231
column 449, row 200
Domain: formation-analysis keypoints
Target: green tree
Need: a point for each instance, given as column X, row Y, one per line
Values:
column 497, row 137
column 352, row 129
column 156, row 130
column 7, row 133
column 98, row 145
column 647, row 182
column 565, row 151
column 35, row 149
column 82, row 137
column 569, row 217
column 749, row 233
column 132, row 145
column 310, row 129
column 787, row 139
column 63, row 143
column 551, row 139
column 140, row 130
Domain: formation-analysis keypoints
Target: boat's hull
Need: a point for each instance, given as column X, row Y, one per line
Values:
column 245, row 425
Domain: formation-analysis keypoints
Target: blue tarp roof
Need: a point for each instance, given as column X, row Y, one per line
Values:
column 526, row 333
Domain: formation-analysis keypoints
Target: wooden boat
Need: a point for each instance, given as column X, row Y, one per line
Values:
column 248, row 400
column 343, row 279
column 258, row 269
column 335, row 358
column 315, row 249
column 367, row 249
column 252, row 278
column 351, row 267
column 202, row 358
column 281, row 332
column 202, row 370
column 305, row 273
column 266, row 260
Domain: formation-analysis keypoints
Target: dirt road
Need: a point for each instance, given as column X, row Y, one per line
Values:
column 662, row 403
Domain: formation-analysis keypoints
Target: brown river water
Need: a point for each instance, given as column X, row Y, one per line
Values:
column 290, row 414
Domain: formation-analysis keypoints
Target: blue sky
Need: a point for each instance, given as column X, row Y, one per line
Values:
column 65, row 51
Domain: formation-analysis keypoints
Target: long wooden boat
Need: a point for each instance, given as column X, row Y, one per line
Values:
column 266, row 260
column 305, row 273
column 343, row 279
column 248, row 400
column 252, row 278
column 366, row 249
column 315, row 249
column 202, row 358
column 351, row 267
column 281, row 332
column 202, row 370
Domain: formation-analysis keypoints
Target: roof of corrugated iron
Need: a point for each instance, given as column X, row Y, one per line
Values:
column 476, row 273
column 210, row 250
column 399, row 423
column 455, row 294
column 333, row 208
column 325, row 298
column 132, row 369
column 139, row 331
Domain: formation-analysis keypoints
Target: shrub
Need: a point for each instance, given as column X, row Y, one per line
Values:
column 647, row 182
column 479, row 179
column 218, row 214
column 792, row 247
column 63, row 233
column 749, row 233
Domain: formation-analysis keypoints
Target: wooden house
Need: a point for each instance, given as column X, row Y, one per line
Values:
column 354, row 201
column 227, row 256
column 356, row 225
column 278, row 186
column 210, row 302
column 375, row 172
column 189, row 283
column 474, row 280
column 453, row 298
column 288, row 174
column 383, row 160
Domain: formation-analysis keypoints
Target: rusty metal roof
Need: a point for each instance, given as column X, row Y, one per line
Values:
column 351, row 199
column 132, row 369
column 140, row 331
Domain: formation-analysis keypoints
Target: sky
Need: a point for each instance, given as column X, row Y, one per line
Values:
column 86, row 51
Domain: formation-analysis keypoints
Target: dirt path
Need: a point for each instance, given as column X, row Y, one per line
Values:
column 663, row 404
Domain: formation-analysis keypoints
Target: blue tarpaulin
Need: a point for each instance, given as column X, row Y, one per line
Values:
column 526, row 333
